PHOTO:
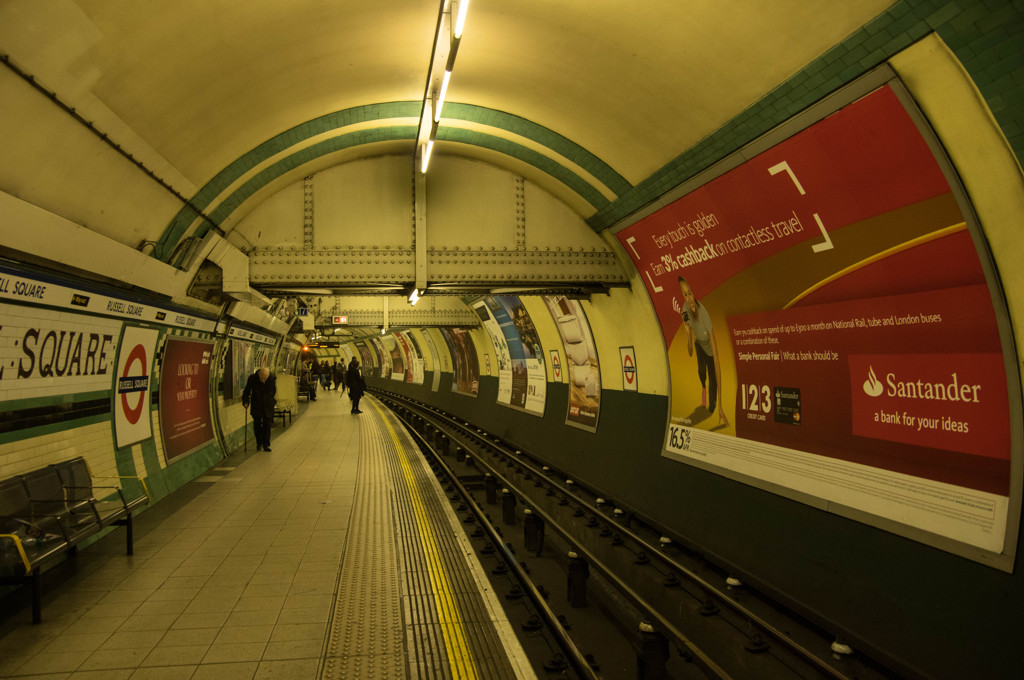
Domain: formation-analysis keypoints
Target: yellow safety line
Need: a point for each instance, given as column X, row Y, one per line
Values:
column 945, row 231
column 460, row 657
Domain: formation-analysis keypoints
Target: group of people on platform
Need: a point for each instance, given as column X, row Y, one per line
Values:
column 321, row 374
column 259, row 395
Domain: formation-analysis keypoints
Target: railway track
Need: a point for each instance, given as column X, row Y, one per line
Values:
column 678, row 613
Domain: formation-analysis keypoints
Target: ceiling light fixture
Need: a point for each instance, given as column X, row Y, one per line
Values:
column 460, row 16
column 450, row 23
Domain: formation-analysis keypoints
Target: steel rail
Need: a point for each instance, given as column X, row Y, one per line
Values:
column 573, row 654
column 754, row 618
column 701, row 658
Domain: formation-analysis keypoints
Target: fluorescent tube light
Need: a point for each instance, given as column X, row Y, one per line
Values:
column 460, row 19
column 425, row 161
column 441, row 94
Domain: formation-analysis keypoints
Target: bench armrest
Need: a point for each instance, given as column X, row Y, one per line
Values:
column 20, row 548
column 32, row 522
column 92, row 501
column 140, row 480
column 72, row 507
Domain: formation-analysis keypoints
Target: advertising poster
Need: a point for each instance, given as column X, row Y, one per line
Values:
column 347, row 354
column 396, row 354
column 510, row 392
column 580, row 361
column 241, row 364
column 439, row 362
column 185, row 423
column 525, row 351
column 466, row 378
column 369, row 359
column 132, row 422
column 830, row 330
column 522, row 382
column 413, row 360
column 383, row 354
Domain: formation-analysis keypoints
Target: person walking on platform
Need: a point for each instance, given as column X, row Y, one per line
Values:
column 336, row 374
column 339, row 377
column 260, row 390
column 356, row 384
column 325, row 375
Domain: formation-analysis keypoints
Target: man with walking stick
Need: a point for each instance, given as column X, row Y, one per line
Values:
column 259, row 391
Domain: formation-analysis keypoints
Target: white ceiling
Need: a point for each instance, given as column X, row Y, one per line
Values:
column 191, row 86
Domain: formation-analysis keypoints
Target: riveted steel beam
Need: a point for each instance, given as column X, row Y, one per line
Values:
column 382, row 266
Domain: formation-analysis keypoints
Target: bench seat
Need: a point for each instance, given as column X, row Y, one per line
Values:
column 46, row 513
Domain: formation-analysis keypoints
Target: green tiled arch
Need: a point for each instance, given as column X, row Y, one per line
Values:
column 527, row 155
column 984, row 35
column 542, row 135
column 381, row 134
column 307, row 155
column 383, row 112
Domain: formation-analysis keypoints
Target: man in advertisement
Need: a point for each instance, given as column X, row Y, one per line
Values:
column 260, row 391
column 700, row 336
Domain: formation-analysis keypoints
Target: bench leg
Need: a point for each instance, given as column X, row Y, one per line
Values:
column 37, row 597
column 130, row 534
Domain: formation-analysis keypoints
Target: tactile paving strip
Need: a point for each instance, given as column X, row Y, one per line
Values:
column 407, row 603
column 366, row 639
column 450, row 630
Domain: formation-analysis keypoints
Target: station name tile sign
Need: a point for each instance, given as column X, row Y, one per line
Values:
column 21, row 287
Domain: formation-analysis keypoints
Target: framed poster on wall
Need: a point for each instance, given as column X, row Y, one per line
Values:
column 834, row 331
column 185, row 421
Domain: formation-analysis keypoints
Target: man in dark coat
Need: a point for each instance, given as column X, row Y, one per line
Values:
column 338, row 374
column 260, row 391
column 356, row 384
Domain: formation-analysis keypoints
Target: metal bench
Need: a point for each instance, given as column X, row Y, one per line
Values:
column 45, row 514
column 110, row 505
column 287, row 398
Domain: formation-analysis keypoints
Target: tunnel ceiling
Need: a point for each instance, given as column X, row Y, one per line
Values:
column 224, row 103
column 204, row 83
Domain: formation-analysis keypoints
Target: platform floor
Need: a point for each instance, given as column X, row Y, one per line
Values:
column 335, row 555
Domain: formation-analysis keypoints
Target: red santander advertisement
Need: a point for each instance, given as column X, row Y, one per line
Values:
column 831, row 332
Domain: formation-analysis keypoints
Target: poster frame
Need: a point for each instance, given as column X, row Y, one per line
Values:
column 882, row 76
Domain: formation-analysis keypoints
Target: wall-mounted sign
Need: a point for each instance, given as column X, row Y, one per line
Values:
column 28, row 287
column 132, row 422
column 628, row 359
column 338, row 320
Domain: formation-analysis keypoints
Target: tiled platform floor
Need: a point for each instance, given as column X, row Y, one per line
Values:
column 233, row 577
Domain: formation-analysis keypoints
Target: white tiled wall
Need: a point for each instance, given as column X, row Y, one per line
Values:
column 94, row 442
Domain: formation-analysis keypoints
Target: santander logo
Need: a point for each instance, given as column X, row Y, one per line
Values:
column 922, row 389
column 873, row 386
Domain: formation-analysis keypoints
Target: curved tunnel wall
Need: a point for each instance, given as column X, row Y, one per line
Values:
column 906, row 600
column 942, row 615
